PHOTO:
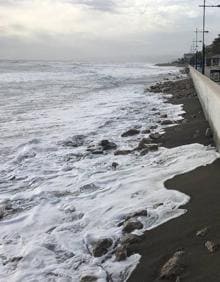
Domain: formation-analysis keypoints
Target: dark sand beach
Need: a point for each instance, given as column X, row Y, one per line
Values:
column 158, row 246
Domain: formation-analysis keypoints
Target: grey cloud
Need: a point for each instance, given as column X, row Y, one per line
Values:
column 102, row 5
column 12, row 2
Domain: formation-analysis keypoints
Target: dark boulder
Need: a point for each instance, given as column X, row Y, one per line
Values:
column 155, row 136
column 143, row 143
column 154, row 127
column 122, row 152
column 146, row 131
column 89, row 278
column 164, row 116
column 107, row 145
column 96, row 150
column 101, row 247
column 130, row 239
column 131, row 132
column 166, row 122
column 115, row 165
column 131, row 225
column 152, row 147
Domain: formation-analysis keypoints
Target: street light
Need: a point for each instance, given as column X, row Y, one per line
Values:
column 204, row 6
column 198, row 41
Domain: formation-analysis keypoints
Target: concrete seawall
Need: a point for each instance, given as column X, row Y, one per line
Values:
column 209, row 96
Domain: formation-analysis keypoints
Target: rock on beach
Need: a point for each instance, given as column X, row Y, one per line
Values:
column 131, row 132
column 101, row 247
column 131, row 225
column 173, row 267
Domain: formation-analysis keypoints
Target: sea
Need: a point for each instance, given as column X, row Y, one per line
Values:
column 57, row 197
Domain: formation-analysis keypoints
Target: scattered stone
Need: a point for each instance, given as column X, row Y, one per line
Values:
column 132, row 216
column 122, row 152
column 212, row 246
column 153, row 109
column 166, row 122
column 88, row 188
column 173, row 267
column 115, row 165
column 107, row 145
column 131, row 225
column 130, row 239
column 155, row 136
column 154, row 127
column 143, row 143
column 179, row 89
column 203, row 232
column 208, row 133
column 130, row 132
column 178, row 279
column 146, row 131
column 97, row 152
column 89, row 278
column 164, row 116
column 121, row 253
column 101, row 247
column 152, row 147
column 140, row 213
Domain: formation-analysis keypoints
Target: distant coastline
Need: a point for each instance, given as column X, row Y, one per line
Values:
column 174, row 64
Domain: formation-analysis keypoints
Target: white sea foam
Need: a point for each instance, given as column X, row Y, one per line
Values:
column 60, row 199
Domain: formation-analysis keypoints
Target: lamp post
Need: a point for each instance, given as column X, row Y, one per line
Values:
column 198, row 41
column 196, row 47
column 203, row 38
column 204, row 6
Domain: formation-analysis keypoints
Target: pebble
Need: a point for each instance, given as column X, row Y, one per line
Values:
column 212, row 246
column 121, row 253
column 208, row 133
column 203, row 232
column 115, row 165
column 173, row 267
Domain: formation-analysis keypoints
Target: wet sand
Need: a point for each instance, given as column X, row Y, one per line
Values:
column 203, row 185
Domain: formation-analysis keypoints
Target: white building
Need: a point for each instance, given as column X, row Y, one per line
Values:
column 213, row 67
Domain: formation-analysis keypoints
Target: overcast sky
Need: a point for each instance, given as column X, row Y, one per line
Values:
column 101, row 29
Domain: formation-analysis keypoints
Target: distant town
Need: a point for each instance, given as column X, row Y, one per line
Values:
column 212, row 61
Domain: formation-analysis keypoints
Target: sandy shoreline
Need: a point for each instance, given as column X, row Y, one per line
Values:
column 160, row 244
